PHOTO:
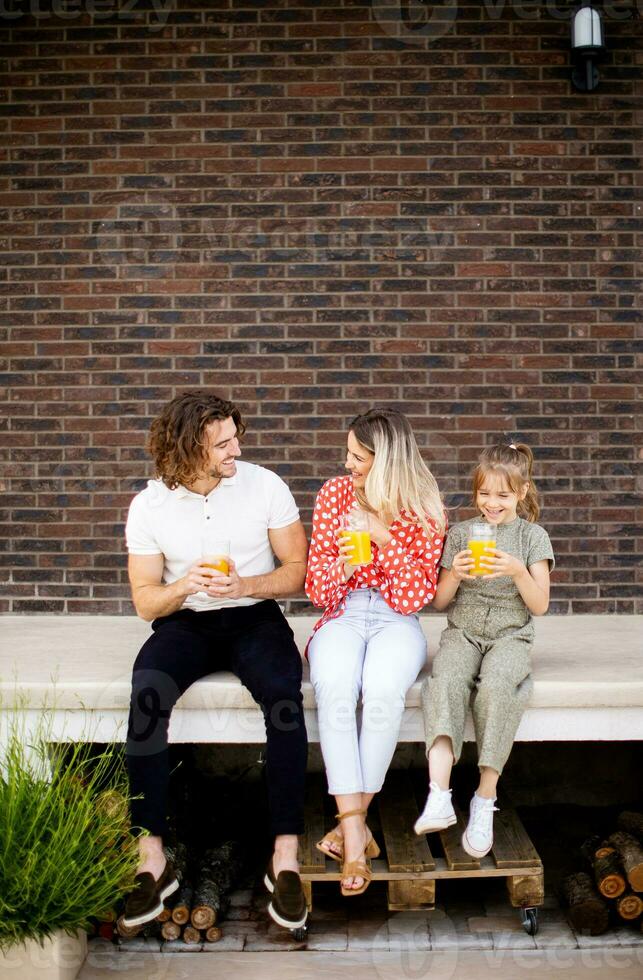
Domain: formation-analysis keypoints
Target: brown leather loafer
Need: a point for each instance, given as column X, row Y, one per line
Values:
column 146, row 901
column 288, row 906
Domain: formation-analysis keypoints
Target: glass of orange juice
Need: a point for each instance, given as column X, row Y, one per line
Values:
column 355, row 531
column 481, row 536
column 215, row 554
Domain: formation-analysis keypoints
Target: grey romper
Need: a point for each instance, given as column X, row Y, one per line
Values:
column 485, row 648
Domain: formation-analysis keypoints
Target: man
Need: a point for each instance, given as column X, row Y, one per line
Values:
column 204, row 620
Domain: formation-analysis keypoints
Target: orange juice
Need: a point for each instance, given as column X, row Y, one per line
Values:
column 218, row 562
column 361, row 542
column 476, row 547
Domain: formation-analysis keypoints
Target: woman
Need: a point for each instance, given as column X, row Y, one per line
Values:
column 369, row 638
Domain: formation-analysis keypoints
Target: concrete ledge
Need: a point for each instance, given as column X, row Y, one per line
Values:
column 588, row 679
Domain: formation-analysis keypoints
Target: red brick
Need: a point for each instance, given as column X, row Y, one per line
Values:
column 441, row 254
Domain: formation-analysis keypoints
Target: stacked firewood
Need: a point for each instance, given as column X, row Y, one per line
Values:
column 611, row 887
column 193, row 913
column 103, row 926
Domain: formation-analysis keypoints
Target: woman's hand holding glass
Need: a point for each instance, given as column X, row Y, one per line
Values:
column 346, row 551
column 354, row 541
column 378, row 530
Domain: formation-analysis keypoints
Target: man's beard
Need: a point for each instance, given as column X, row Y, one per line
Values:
column 216, row 474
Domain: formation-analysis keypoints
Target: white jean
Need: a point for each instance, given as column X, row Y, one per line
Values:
column 374, row 650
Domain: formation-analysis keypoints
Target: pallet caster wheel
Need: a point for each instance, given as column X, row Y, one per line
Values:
column 529, row 919
column 299, row 934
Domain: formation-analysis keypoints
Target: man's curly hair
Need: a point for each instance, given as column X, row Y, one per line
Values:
column 177, row 436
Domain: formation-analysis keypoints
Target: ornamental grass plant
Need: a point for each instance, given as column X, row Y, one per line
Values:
column 66, row 853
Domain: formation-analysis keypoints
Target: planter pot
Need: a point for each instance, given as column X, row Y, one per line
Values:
column 59, row 958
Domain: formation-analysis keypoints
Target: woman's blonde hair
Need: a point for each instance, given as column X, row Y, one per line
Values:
column 399, row 479
column 513, row 462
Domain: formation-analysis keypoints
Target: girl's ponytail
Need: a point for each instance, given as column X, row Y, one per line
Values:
column 529, row 506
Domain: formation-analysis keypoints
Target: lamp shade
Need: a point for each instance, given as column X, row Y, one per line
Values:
column 587, row 30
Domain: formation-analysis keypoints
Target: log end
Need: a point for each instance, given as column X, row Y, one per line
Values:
column 635, row 878
column 629, row 907
column 611, row 886
column 170, row 931
column 202, row 917
column 180, row 915
column 589, row 917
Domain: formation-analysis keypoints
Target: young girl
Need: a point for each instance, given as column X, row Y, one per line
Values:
column 486, row 645
column 369, row 641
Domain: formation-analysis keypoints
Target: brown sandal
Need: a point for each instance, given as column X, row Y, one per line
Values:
column 356, row 869
column 332, row 837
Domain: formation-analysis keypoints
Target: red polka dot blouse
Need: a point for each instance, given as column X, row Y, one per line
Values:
column 405, row 571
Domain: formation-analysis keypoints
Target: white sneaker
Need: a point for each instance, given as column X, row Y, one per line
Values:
column 477, row 840
column 438, row 812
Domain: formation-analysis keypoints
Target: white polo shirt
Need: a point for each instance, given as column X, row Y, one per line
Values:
column 240, row 509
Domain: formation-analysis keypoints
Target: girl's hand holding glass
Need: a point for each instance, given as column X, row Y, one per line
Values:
column 461, row 566
column 501, row 563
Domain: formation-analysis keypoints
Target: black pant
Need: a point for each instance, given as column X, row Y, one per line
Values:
column 257, row 644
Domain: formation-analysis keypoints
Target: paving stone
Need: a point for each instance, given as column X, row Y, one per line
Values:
column 139, row 944
column 272, row 938
column 368, row 933
column 101, row 953
column 621, row 964
column 176, row 946
column 554, row 931
column 512, row 936
column 485, row 923
column 229, row 943
column 629, row 935
column 609, row 938
column 452, row 932
column 323, row 936
column 409, row 931
column 506, row 928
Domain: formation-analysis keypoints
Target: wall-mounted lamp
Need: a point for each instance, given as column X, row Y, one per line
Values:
column 588, row 46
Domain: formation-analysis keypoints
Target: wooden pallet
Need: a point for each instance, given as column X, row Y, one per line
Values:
column 409, row 867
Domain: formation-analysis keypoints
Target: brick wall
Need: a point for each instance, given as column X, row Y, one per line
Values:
column 294, row 205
